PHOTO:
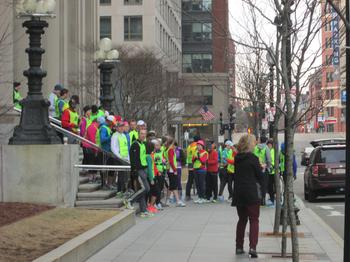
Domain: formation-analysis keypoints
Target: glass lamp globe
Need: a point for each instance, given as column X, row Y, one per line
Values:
column 113, row 54
column 30, row 6
column 40, row 7
column 50, row 6
column 105, row 44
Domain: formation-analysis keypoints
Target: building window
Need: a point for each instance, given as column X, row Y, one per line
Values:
column 199, row 95
column 197, row 32
column 330, row 94
column 330, row 111
column 105, row 27
column 328, row 60
column 330, row 128
column 197, row 63
column 197, row 5
column 133, row 28
column 328, row 43
column 329, row 77
column 132, row 2
column 328, row 25
column 105, row 2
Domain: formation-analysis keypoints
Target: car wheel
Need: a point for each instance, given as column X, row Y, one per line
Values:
column 312, row 196
column 306, row 194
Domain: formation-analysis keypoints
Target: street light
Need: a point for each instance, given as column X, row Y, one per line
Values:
column 271, row 63
column 34, row 127
column 106, row 57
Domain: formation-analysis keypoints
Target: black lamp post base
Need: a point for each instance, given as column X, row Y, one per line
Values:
column 34, row 127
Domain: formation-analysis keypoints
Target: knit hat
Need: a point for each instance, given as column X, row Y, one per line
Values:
column 101, row 120
column 228, row 143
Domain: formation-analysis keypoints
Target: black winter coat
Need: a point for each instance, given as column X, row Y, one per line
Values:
column 248, row 180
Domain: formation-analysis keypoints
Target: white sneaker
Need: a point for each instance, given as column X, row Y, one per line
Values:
column 180, row 204
column 221, row 198
column 159, row 206
column 205, row 201
column 197, row 201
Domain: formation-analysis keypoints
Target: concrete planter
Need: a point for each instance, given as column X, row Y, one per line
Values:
column 90, row 242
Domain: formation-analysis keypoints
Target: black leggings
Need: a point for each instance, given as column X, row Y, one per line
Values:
column 271, row 187
column 190, row 181
column 226, row 178
column 212, row 185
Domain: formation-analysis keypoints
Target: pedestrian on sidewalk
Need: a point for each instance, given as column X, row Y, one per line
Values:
column 224, row 179
column 180, row 156
column 138, row 164
column 53, row 97
column 171, row 161
column 262, row 152
column 247, row 198
column 212, row 176
column 16, row 97
column 191, row 151
column 200, row 171
column 160, row 163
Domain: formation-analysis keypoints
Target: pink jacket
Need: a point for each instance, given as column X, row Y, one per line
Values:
column 91, row 134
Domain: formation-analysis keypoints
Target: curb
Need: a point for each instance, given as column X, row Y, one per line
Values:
column 85, row 245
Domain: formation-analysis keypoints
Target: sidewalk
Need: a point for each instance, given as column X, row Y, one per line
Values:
column 206, row 233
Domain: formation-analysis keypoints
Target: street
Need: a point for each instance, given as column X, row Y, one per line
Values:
column 330, row 208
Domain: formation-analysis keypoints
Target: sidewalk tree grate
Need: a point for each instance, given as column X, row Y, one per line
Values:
column 271, row 234
column 303, row 256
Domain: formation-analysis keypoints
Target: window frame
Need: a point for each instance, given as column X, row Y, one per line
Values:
column 129, row 34
column 133, row 2
column 110, row 27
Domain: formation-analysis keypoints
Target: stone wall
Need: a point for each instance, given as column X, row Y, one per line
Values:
column 39, row 174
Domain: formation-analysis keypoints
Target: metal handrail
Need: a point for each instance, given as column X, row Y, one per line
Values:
column 55, row 123
column 101, row 167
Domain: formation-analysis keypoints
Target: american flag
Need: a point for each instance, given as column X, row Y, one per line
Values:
column 206, row 114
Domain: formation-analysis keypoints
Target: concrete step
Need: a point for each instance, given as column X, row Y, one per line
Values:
column 106, row 203
column 83, row 180
column 85, row 188
column 96, row 195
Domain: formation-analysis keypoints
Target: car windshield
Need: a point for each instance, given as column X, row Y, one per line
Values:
column 332, row 155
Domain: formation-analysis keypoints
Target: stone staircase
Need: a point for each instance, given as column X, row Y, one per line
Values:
column 90, row 195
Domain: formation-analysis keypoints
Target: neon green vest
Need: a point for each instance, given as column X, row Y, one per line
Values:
column 57, row 110
column 261, row 154
column 230, row 167
column 74, row 119
column 158, row 159
column 134, row 135
column 272, row 151
column 143, row 156
column 197, row 163
column 98, row 140
column 191, row 151
column 167, row 159
column 17, row 97
column 282, row 162
column 123, row 145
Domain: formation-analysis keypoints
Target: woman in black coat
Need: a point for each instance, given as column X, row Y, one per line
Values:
column 247, row 193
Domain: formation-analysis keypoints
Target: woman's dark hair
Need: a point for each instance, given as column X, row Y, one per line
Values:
column 94, row 109
column 86, row 108
column 63, row 92
column 16, row 84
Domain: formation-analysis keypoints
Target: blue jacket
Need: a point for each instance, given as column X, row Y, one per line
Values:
column 224, row 156
column 105, row 138
column 128, row 138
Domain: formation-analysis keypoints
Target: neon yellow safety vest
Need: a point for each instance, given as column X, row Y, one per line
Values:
column 123, row 146
column 134, row 135
column 16, row 98
column 191, row 151
column 143, row 155
column 272, row 152
column 282, row 162
column 230, row 167
column 261, row 154
column 166, row 155
column 74, row 119
column 57, row 109
column 98, row 139
column 158, row 159
column 197, row 163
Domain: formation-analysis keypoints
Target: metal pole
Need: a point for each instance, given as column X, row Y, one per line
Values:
column 347, row 180
column 271, row 100
column 106, row 97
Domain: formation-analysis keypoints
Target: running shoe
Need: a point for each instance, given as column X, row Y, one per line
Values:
column 180, row 204
column 221, row 198
column 159, row 206
column 214, row 201
column 146, row 215
column 152, row 210
column 128, row 205
column 206, row 201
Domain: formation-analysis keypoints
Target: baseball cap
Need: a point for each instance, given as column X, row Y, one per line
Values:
column 101, row 120
column 110, row 118
column 58, row 87
column 228, row 143
column 201, row 142
column 141, row 123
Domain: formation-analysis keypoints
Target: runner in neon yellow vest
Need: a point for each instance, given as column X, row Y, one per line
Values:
column 17, row 98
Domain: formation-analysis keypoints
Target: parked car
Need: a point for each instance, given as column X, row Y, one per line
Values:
column 305, row 155
column 325, row 174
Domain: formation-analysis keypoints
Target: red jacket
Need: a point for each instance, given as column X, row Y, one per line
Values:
column 213, row 161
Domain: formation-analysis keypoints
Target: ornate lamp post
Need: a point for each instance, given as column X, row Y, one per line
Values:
column 106, row 57
column 34, row 127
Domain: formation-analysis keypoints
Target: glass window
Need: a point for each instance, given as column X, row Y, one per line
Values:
column 332, row 155
column 105, row 2
column 330, row 111
column 206, row 5
column 105, row 27
column 328, row 60
column 207, row 63
column 207, row 31
column 207, row 92
column 187, row 63
column 197, row 63
column 328, row 42
column 328, row 26
column 196, row 5
column 133, row 28
column 132, row 2
column 329, row 77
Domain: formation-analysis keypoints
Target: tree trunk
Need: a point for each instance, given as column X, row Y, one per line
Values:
column 285, row 222
column 276, row 227
column 290, row 193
